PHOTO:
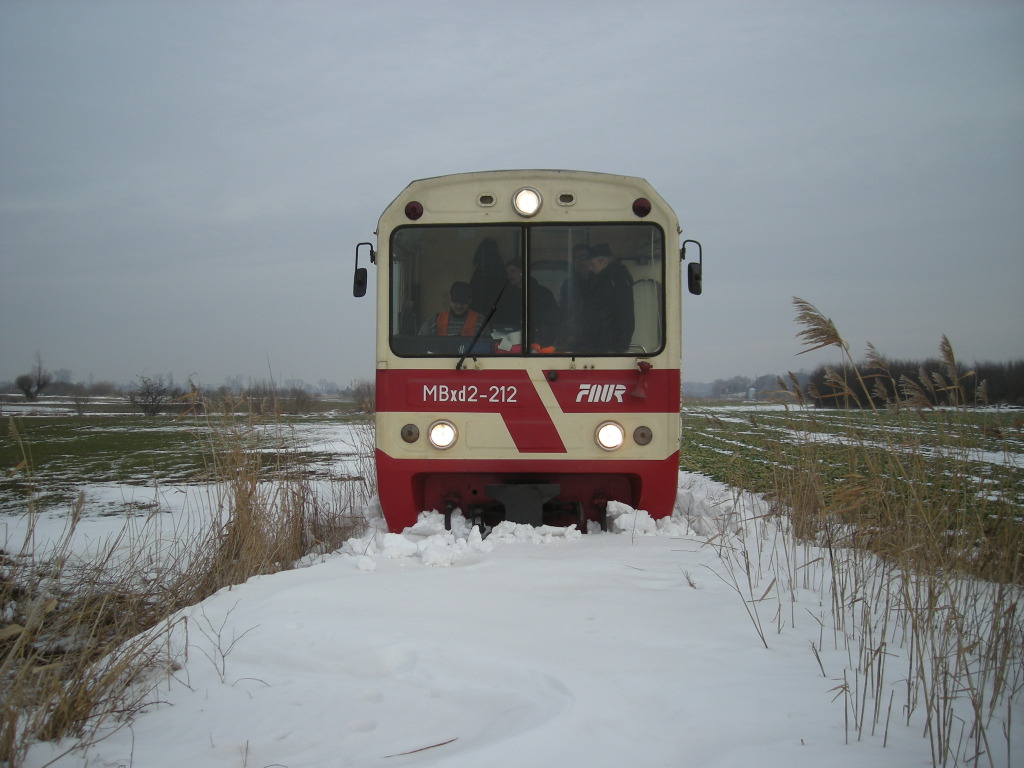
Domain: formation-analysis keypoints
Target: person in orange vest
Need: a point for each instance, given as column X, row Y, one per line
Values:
column 459, row 319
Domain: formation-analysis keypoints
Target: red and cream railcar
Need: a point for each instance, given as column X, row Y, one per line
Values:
column 528, row 347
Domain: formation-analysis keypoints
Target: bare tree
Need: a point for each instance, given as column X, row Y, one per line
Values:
column 151, row 396
column 262, row 397
column 80, row 398
column 26, row 385
column 364, row 395
column 33, row 383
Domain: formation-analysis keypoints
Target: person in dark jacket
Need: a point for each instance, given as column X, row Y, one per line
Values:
column 542, row 310
column 488, row 276
column 608, row 319
column 572, row 297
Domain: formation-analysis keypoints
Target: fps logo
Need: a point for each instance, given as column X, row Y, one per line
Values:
column 600, row 393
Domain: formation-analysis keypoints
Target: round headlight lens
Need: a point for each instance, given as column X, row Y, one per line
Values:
column 610, row 435
column 526, row 201
column 442, row 434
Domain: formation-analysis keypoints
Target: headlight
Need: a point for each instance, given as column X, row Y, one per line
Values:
column 526, row 201
column 442, row 434
column 610, row 435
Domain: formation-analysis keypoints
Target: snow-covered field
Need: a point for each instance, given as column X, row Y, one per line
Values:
column 532, row 647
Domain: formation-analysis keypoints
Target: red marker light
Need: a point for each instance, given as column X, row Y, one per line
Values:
column 414, row 210
column 641, row 206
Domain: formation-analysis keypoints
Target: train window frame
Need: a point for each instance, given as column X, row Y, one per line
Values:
column 404, row 284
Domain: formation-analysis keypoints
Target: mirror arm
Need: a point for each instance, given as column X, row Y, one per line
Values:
column 694, row 270
column 359, row 278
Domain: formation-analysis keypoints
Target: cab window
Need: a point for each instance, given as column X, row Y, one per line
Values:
column 516, row 290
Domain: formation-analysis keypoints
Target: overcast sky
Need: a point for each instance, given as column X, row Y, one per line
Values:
column 182, row 184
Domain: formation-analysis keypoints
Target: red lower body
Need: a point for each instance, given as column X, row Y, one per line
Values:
column 407, row 487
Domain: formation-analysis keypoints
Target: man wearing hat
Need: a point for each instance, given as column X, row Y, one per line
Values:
column 459, row 320
column 608, row 319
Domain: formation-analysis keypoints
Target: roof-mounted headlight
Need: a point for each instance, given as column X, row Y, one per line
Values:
column 527, row 202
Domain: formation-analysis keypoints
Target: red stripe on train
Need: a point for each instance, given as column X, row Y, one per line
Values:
column 631, row 391
column 513, row 395
column 509, row 393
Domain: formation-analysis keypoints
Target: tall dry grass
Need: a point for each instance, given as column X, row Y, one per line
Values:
column 83, row 636
column 919, row 503
column 913, row 552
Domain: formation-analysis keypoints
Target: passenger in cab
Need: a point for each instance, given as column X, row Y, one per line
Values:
column 488, row 276
column 543, row 310
column 608, row 319
column 572, row 296
column 508, row 313
column 459, row 319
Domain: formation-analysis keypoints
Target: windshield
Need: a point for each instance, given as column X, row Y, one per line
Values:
column 583, row 289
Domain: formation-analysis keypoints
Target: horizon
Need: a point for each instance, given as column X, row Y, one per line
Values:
column 239, row 382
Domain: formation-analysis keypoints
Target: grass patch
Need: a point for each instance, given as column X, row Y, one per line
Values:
column 83, row 637
column 46, row 458
column 965, row 465
column 907, row 518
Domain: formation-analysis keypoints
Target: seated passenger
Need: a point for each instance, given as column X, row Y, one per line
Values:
column 458, row 320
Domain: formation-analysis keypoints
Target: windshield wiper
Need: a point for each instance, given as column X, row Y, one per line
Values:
column 458, row 366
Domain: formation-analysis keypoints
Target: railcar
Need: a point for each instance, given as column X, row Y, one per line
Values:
column 527, row 347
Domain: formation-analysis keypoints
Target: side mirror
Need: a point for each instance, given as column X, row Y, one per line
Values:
column 694, row 270
column 693, row 278
column 360, row 278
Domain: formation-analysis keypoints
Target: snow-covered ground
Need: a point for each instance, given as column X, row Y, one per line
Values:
column 532, row 647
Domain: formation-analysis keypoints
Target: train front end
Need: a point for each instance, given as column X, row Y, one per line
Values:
column 527, row 349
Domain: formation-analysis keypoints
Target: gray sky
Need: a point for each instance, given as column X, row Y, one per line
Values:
column 182, row 185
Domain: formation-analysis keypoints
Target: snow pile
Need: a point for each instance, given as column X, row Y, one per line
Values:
column 433, row 545
column 530, row 647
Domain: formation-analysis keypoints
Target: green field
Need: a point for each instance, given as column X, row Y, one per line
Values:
column 48, row 454
column 971, row 458
column 976, row 454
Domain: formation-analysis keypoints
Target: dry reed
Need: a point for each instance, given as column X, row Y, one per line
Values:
column 83, row 640
column 914, row 556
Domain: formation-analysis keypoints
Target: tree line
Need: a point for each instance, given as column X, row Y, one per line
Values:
column 932, row 382
column 153, row 395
